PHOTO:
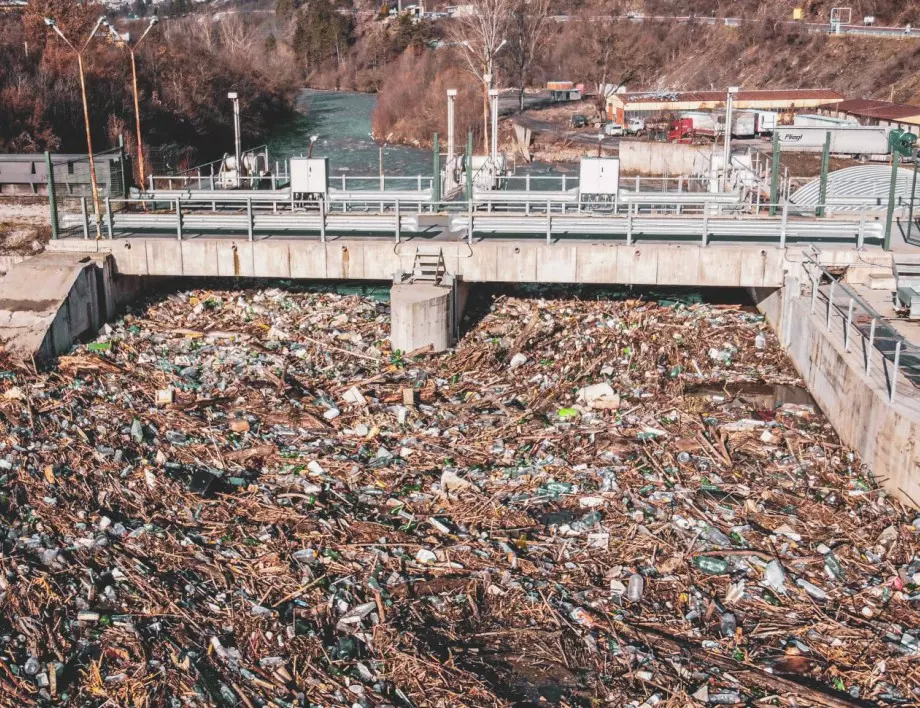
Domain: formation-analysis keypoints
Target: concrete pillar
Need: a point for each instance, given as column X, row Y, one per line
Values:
column 420, row 315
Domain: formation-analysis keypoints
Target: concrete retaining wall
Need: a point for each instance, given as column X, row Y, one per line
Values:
column 887, row 436
column 653, row 158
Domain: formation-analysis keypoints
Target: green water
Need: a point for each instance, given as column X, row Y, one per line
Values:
column 342, row 122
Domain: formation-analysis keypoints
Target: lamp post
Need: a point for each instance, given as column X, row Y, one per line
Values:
column 89, row 139
column 137, row 108
column 726, row 156
column 235, row 97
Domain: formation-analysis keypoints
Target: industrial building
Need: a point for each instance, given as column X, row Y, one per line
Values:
column 869, row 112
column 620, row 105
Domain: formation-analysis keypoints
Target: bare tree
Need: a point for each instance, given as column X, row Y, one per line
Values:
column 603, row 63
column 479, row 34
column 528, row 29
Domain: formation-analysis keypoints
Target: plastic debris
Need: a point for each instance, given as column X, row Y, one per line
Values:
column 309, row 518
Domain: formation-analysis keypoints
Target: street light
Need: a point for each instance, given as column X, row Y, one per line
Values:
column 235, row 97
column 89, row 140
column 726, row 157
column 137, row 109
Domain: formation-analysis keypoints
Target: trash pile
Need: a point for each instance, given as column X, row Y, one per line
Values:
column 246, row 499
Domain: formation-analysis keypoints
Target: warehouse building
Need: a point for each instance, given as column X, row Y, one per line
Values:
column 869, row 112
column 619, row 105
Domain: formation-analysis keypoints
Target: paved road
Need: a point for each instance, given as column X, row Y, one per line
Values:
column 817, row 27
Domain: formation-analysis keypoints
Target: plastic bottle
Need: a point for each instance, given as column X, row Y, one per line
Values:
column 711, row 565
column 635, row 588
column 728, row 625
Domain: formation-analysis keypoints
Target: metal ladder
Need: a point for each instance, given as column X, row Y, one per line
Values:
column 428, row 267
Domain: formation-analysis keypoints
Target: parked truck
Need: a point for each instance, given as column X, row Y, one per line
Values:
column 854, row 140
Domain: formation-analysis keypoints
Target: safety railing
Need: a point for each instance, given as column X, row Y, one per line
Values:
column 888, row 358
column 630, row 222
column 364, row 183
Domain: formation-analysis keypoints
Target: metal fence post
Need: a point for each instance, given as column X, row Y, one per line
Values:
column 397, row 221
column 782, row 226
column 830, row 300
column 178, row 220
column 889, row 214
column 705, row 222
column 822, row 188
column 52, row 201
column 894, row 372
column 774, row 175
column 814, row 294
column 861, row 233
column 549, row 222
column 846, row 333
column 629, row 224
column 108, row 217
column 322, row 221
column 469, row 223
column 85, row 213
column 249, row 217
column 870, row 347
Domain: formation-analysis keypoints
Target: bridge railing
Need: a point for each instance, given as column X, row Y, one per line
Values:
column 888, row 358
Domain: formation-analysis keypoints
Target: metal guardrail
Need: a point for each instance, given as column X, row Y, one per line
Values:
column 886, row 353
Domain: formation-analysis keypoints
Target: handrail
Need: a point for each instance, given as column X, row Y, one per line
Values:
column 859, row 317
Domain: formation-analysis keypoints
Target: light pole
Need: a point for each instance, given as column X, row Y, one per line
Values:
column 89, row 139
column 235, row 97
column 726, row 156
column 137, row 108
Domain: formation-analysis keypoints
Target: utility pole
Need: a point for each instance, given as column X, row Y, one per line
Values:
column 89, row 138
column 137, row 108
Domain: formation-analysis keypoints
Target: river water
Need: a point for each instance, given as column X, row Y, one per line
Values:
column 342, row 122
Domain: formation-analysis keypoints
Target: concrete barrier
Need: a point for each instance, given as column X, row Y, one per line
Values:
column 653, row 158
column 49, row 301
column 54, row 299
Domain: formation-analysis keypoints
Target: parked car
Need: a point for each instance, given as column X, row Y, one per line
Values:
column 579, row 120
column 614, row 129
